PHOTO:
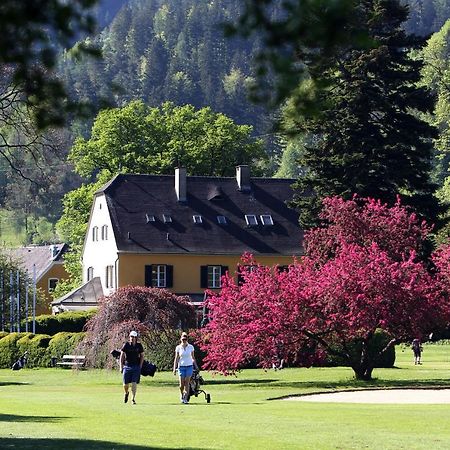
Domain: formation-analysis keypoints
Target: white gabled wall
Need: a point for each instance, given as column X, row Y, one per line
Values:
column 100, row 253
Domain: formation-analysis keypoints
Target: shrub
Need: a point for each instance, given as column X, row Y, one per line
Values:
column 9, row 352
column 72, row 321
column 64, row 343
column 37, row 348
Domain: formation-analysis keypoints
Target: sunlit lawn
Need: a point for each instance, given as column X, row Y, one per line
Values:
column 65, row 409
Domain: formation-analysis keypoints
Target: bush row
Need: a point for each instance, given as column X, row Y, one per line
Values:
column 73, row 322
column 41, row 348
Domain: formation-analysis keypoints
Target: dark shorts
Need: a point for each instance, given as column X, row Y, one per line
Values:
column 131, row 374
column 186, row 371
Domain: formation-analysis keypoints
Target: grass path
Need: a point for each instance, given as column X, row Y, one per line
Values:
column 64, row 409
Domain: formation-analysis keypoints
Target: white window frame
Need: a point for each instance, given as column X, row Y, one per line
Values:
column 150, row 218
column 109, row 276
column 49, row 281
column 266, row 220
column 95, row 234
column 167, row 218
column 221, row 220
column 197, row 219
column 90, row 273
column 214, row 277
column 104, row 232
column 251, row 220
column 159, row 275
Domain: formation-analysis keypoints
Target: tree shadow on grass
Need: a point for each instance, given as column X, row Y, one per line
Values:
column 16, row 418
column 72, row 444
column 12, row 383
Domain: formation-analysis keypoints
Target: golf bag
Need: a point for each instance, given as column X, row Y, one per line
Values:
column 148, row 368
column 21, row 362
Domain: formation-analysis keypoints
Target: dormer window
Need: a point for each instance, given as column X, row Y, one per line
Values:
column 197, row 219
column 150, row 218
column 167, row 218
column 266, row 220
column 251, row 220
column 221, row 220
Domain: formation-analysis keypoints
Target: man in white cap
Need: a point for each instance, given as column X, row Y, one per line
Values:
column 131, row 360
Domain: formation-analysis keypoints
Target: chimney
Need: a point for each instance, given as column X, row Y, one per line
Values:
column 243, row 178
column 180, row 183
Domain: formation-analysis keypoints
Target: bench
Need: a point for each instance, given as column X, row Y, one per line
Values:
column 75, row 361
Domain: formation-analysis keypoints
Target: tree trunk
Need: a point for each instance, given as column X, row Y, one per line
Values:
column 364, row 368
column 363, row 373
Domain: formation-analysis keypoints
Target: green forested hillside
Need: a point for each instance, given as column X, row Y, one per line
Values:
column 171, row 50
column 157, row 51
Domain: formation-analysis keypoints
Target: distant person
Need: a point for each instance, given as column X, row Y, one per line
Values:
column 417, row 350
column 131, row 360
column 185, row 362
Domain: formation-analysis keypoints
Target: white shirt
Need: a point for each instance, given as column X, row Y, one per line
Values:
column 185, row 354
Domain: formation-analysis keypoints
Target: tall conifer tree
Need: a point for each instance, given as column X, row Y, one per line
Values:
column 368, row 139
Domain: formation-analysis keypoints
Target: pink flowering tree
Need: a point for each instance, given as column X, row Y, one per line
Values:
column 355, row 278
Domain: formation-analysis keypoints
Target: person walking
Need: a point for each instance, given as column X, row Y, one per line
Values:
column 185, row 362
column 130, row 362
column 417, row 350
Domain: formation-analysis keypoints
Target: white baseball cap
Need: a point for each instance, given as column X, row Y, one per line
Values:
column 133, row 334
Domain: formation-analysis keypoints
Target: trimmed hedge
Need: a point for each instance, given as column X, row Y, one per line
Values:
column 40, row 347
column 9, row 351
column 36, row 346
column 73, row 322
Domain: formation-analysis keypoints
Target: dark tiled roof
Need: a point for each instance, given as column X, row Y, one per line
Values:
column 131, row 197
column 40, row 256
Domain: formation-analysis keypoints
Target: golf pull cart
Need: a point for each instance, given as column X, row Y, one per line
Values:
column 195, row 387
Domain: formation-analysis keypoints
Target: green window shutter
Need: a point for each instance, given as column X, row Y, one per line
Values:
column 169, row 276
column 203, row 276
column 148, row 276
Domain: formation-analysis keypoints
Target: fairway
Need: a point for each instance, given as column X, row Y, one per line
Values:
column 65, row 409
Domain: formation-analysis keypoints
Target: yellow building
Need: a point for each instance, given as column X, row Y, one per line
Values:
column 184, row 232
column 45, row 265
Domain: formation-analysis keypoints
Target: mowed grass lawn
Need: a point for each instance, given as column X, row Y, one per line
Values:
column 66, row 409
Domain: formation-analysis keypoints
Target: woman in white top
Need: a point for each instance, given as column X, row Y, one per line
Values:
column 184, row 361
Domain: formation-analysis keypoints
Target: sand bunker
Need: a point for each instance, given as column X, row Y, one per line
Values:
column 432, row 396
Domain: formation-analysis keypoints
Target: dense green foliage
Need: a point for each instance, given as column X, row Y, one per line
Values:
column 170, row 50
column 426, row 16
column 72, row 321
column 40, row 348
column 368, row 140
column 33, row 33
column 140, row 139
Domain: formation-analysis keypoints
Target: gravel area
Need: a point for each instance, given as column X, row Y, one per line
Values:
column 431, row 396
